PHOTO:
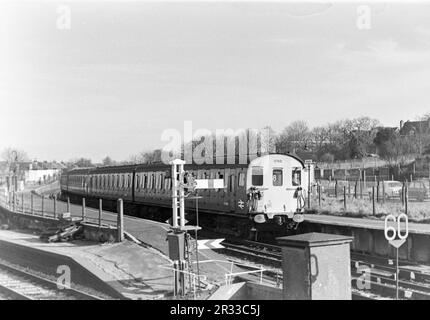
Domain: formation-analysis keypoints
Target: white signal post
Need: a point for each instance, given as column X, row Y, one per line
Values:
column 396, row 239
column 178, row 193
column 178, row 208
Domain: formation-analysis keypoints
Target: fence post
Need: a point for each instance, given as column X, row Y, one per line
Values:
column 403, row 194
column 55, row 207
column 411, row 177
column 349, row 189
column 13, row 201
column 344, row 198
column 335, row 189
column 43, row 200
column 373, row 200
column 83, row 209
column 100, row 211
column 120, row 221
column 68, row 204
column 31, row 204
column 319, row 195
column 355, row 189
column 377, row 192
column 383, row 191
column 22, row 202
column 406, row 198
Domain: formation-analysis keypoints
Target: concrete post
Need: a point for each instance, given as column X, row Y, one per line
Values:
column 68, row 204
column 316, row 266
column 83, row 209
column 31, row 204
column 373, row 200
column 120, row 221
column 43, row 200
column 100, row 211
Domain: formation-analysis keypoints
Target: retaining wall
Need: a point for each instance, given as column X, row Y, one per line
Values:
column 372, row 241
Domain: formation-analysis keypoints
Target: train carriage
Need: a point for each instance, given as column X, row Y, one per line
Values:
column 267, row 192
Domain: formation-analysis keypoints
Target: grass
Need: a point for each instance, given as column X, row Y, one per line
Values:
column 359, row 208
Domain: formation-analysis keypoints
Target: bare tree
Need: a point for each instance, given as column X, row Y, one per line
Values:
column 107, row 161
column 11, row 155
column 295, row 136
column 145, row 157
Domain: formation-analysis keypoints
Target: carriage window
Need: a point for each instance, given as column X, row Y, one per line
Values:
column 137, row 181
column 296, row 178
column 257, row 176
column 241, row 179
column 277, row 177
column 162, row 181
column 231, row 184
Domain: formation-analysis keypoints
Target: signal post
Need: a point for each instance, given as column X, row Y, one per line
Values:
column 178, row 234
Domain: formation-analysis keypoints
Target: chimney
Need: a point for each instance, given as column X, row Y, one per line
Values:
column 401, row 124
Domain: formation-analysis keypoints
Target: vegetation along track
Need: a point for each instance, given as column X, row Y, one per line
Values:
column 380, row 273
column 16, row 284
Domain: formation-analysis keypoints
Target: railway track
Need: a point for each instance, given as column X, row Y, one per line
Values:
column 376, row 276
column 16, row 284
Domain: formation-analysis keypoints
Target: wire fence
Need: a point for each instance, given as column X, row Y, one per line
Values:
column 345, row 197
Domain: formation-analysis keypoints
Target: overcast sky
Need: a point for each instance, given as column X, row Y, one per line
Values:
column 125, row 72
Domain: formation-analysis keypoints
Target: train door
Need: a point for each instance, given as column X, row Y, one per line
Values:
column 231, row 190
column 276, row 190
column 241, row 197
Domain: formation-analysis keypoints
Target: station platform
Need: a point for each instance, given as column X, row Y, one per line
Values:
column 150, row 235
column 365, row 223
column 129, row 269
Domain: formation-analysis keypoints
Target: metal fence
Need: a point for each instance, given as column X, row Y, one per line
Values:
column 372, row 197
column 50, row 207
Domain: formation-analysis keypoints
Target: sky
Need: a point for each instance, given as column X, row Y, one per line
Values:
column 124, row 72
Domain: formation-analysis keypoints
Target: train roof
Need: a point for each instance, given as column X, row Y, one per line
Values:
column 163, row 166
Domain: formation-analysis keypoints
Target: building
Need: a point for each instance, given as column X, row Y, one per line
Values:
column 31, row 172
column 415, row 127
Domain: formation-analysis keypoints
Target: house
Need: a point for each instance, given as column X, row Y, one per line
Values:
column 415, row 127
column 31, row 172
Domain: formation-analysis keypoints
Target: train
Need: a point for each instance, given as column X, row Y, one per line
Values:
column 266, row 194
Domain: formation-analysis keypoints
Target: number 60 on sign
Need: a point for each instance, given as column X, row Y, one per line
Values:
column 394, row 235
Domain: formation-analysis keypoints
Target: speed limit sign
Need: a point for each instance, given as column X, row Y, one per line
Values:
column 394, row 234
column 396, row 237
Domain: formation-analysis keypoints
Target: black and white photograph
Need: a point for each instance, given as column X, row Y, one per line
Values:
column 196, row 152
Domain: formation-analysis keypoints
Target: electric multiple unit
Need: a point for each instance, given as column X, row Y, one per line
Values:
column 268, row 191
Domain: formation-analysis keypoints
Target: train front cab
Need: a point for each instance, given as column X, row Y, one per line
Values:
column 275, row 192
